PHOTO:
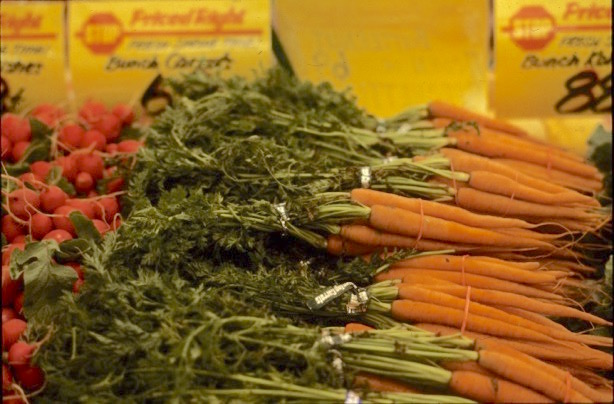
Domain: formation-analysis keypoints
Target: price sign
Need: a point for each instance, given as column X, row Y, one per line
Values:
column 552, row 58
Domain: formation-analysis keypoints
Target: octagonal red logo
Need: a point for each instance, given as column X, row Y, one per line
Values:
column 532, row 28
column 101, row 33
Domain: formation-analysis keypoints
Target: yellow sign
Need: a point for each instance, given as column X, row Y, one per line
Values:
column 552, row 58
column 32, row 50
column 118, row 48
column 392, row 53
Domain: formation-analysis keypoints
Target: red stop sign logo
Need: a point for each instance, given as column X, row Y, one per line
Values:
column 532, row 28
column 102, row 33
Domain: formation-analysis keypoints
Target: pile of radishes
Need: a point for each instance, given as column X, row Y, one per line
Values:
column 84, row 151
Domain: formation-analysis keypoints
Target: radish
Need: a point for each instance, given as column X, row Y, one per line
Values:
column 58, row 235
column 76, row 287
column 77, row 268
column 10, row 287
column 61, row 221
column 84, row 182
column 92, row 164
column 12, row 330
column 92, row 194
column 124, row 113
column 7, row 379
column 106, row 208
column 71, row 135
column 115, row 185
column 30, row 377
column 40, row 225
column 92, row 110
column 69, row 167
column 48, row 114
column 21, row 353
column 33, row 180
column 11, row 229
column 19, row 149
column 84, row 206
column 111, row 148
column 6, row 254
column 8, row 313
column 15, row 128
column 18, row 303
column 110, row 126
column 52, row 198
column 7, row 147
column 129, row 146
column 20, row 239
column 22, row 202
column 41, row 168
column 101, row 226
column 94, row 137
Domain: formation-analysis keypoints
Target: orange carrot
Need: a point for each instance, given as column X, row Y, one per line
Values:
column 410, row 311
column 378, row 383
column 532, row 316
column 336, row 245
column 556, row 176
column 370, row 197
column 356, row 327
column 475, row 266
column 480, row 201
column 404, row 222
column 505, row 299
column 470, row 366
column 528, row 265
column 487, row 389
column 441, row 109
column 529, row 376
column 474, row 143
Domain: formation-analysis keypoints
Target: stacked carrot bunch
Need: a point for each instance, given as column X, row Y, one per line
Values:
column 71, row 167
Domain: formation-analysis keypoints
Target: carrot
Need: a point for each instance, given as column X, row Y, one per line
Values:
column 410, row 311
column 569, row 353
column 336, row 245
column 370, row 197
column 487, row 389
column 556, row 176
column 576, row 384
column 482, row 282
column 469, row 162
column 485, row 202
column 404, row 222
column 532, row 234
column 441, row 109
column 356, row 327
column 567, row 266
column 502, row 185
column 374, row 382
column 524, row 265
column 532, row 316
column 474, row 266
column 505, row 299
column 529, row 376
column 469, row 366
column 474, row 143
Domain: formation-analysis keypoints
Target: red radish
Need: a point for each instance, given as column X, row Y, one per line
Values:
column 111, row 148
column 11, row 229
column 92, row 164
column 8, row 313
column 41, row 225
column 77, row 285
column 94, row 137
column 69, row 167
column 18, row 303
column 92, row 194
column 41, row 168
column 108, row 172
column 109, row 125
column 117, row 221
column 6, row 254
column 12, row 330
column 47, row 109
column 84, row 182
column 129, row 146
column 19, row 149
column 77, row 268
column 7, row 379
column 101, row 226
column 71, row 135
column 106, row 208
column 20, row 239
column 124, row 113
column 10, row 287
column 7, row 147
column 15, row 128
column 92, row 110
column 33, row 180
column 21, row 353
column 58, row 235
column 30, row 377
column 52, row 198
column 115, row 185
column 62, row 221
column 22, row 202
column 84, row 206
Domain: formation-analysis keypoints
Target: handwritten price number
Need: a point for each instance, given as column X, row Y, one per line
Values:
column 590, row 91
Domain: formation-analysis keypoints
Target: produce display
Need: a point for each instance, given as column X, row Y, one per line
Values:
column 267, row 240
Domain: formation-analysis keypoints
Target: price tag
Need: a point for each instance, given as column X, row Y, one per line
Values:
column 552, row 58
column 32, row 52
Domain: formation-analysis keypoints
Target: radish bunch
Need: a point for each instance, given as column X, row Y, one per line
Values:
column 80, row 174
